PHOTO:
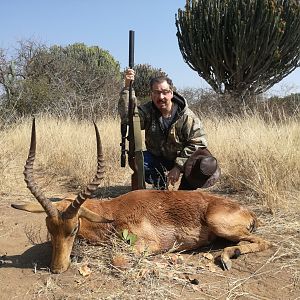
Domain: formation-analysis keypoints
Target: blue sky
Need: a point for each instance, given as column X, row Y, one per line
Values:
column 106, row 24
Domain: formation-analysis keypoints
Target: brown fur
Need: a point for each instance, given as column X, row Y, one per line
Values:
column 164, row 219
column 159, row 219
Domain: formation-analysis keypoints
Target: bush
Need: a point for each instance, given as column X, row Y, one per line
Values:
column 208, row 103
column 76, row 81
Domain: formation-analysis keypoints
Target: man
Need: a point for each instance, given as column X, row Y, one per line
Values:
column 174, row 138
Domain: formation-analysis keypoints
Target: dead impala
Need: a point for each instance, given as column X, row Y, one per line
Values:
column 160, row 219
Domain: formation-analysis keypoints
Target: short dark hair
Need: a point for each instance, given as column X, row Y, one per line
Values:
column 160, row 79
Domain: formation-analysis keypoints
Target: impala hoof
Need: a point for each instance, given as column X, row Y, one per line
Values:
column 227, row 265
column 237, row 253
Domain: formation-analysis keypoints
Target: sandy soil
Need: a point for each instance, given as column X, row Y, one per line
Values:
column 25, row 256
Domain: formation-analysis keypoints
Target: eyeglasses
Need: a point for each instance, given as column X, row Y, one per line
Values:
column 164, row 92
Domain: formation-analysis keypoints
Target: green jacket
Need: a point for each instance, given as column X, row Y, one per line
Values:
column 185, row 135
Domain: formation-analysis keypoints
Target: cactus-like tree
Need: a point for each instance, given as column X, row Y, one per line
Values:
column 240, row 47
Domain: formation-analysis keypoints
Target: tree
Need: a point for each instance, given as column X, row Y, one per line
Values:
column 80, row 79
column 75, row 80
column 240, row 47
column 12, row 75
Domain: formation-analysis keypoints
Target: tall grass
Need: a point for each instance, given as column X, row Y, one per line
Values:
column 258, row 156
column 255, row 156
column 65, row 153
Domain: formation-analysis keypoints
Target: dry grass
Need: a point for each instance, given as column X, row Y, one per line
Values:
column 66, row 154
column 262, row 158
column 257, row 157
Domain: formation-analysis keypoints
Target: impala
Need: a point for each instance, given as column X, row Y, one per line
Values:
column 159, row 219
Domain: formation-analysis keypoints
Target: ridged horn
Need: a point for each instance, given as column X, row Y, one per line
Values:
column 49, row 208
column 73, row 208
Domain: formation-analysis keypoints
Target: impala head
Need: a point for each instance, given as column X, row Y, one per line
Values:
column 63, row 218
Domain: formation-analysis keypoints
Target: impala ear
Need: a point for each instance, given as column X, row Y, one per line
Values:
column 36, row 207
column 33, row 207
column 93, row 217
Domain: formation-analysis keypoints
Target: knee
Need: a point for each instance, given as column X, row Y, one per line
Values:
column 202, row 171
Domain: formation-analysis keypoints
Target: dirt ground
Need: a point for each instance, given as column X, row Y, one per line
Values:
column 25, row 256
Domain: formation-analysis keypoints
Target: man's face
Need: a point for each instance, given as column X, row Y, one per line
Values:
column 161, row 95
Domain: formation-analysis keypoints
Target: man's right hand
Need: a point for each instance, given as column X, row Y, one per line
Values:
column 129, row 76
column 173, row 175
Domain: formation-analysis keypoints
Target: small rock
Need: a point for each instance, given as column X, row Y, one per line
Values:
column 120, row 261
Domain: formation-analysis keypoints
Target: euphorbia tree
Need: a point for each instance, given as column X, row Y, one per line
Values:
column 240, row 46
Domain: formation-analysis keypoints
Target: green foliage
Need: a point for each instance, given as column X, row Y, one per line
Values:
column 128, row 237
column 240, row 47
column 36, row 96
column 144, row 73
column 79, row 59
column 76, row 80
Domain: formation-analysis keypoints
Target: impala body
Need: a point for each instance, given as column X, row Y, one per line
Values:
column 159, row 219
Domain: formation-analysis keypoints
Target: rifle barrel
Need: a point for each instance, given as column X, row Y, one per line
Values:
column 131, row 49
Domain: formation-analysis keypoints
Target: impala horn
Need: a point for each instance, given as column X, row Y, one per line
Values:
column 73, row 208
column 49, row 208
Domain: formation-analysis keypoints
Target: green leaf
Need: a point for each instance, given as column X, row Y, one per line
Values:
column 125, row 234
column 132, row 238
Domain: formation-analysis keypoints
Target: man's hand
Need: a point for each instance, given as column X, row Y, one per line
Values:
column 173, row 176
column 129, row 76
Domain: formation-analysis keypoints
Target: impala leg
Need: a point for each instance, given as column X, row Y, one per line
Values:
column 256, row 244
column 235, row 224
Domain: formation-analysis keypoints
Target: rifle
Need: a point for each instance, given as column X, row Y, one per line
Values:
column 135, row 149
